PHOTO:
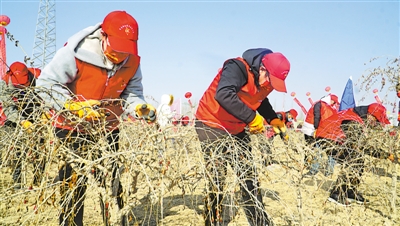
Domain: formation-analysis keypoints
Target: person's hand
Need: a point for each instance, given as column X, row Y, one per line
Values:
column 280, row 128
column 257, row 125
column 88, row 109
column 276, row 130
column 391, row 157
column 284, row 135
column 45, row 117
column 146, row 112
column 277, row 123
column 26, row 125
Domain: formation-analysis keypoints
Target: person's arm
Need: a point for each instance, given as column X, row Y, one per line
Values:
column 267, row 111
column 133, row 93
column 51, row 84
column 317, row 114
column 233, row 78
column 10, row 109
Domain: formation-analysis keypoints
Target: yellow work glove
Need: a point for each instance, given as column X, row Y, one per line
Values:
column 284, row 135
column 257, row 125
column 45, row 117
column 85, row 109
column 26, row 125
column 279, row 128
column 315, row 133
column 391, row 157
column 146, row 112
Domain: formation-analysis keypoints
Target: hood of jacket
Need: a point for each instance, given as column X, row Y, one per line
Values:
column 86, row 46
column 253, row 58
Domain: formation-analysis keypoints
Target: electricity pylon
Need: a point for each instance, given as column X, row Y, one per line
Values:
column 45, row 39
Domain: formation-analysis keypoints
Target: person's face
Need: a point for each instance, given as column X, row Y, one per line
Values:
column 289, row 117
column 113, row 56
column 334, row 105
column 372, row 120
column 264, row 75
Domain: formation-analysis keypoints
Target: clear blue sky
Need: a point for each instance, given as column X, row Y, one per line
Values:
column 184, row 43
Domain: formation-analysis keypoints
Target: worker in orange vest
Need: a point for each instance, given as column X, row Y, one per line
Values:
column 234, row 106
column 96, row 76
column 18, row 105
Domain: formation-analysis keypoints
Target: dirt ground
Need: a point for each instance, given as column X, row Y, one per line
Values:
column 173, row 194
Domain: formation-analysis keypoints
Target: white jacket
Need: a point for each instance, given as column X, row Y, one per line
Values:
column 164, row 112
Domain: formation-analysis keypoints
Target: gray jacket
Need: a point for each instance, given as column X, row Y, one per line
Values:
column 62, row 70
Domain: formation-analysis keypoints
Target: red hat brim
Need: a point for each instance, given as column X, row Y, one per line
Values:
column 123, row 45
column 383, row 119
column 277, row 84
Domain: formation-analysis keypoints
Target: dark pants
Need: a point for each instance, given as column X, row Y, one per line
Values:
column 16, row 155
column 352, row 162
column 17, row 165
column 73, row 186
column 218, row 152
column 19, row 155
column 315, row 162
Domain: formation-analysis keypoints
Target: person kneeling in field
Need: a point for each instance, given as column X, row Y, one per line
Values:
column 343, row 137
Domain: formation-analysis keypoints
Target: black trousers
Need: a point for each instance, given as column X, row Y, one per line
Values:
column 352, row 161
column 218, row 152
column 73, row 186
column 19, row 155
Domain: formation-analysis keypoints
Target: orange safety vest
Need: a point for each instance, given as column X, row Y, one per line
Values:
column 212, row 114
column 93, row 83
column 330, row 128
column 326, row 112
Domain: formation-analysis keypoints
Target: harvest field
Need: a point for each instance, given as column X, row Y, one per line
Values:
column 162, row 174
column 163, row 182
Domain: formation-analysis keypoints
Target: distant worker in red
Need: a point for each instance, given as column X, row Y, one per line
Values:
column 288, row 117
column 18, row 104
column 21, row 76
column 14, row 82
column 346, row 130
column 236, row 100
column 319, row 111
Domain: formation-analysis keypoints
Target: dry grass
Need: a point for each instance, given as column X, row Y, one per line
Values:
column 162, row 174
column 163, row 181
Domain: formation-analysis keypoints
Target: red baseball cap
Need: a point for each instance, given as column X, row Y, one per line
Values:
column 334, row 98
column 35, row 71
column 379, row 112
column 19, row 74
column 122, row 32
column 278, row 67
column 294, row 113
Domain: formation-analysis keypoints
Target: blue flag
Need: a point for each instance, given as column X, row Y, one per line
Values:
column 347, row 101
